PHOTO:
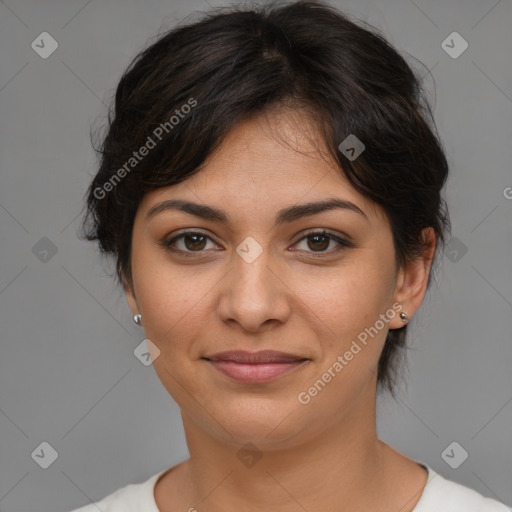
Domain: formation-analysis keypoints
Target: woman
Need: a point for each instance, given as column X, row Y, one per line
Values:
column 270, row 188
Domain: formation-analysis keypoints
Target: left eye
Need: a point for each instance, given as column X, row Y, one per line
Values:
column 322, row 239
column 195, row 242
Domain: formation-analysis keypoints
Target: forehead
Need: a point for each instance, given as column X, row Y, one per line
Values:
column 279, row 141
column 267, row 161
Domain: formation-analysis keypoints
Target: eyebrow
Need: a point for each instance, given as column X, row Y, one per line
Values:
column 286, row 215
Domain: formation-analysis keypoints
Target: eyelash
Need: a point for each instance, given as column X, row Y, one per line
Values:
column 343, row 244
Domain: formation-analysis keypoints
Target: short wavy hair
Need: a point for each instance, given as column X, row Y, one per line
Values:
column 191, row 86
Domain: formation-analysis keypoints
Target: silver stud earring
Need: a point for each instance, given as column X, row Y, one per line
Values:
column 404, row 317
column 137, row 319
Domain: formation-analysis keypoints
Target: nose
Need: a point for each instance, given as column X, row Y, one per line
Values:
column 253, row 295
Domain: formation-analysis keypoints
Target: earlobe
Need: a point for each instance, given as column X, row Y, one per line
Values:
column 404, row 317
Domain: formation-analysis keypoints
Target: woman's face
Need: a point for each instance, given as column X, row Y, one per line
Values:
column 254, row 281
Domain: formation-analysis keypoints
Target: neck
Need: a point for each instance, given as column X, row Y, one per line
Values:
column 340, row 466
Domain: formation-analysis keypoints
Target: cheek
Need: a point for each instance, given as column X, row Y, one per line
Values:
column 174, row 305
column 355, row 295
column 350, row 304
column 172, row 308
column 162, row 295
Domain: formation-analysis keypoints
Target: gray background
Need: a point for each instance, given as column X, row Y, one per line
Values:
column 68, row 375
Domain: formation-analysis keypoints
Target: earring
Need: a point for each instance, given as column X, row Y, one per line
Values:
column 404, row 317
column 138, row 319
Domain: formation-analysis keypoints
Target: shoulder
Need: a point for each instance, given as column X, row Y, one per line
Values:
column 444, row 495
column 136, row 497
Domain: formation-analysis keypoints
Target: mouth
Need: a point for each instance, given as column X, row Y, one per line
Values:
column 255, row 367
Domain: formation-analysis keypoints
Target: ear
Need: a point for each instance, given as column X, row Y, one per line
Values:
column 130, row 296
column 411, row 283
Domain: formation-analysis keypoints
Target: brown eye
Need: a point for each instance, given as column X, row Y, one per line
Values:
column 194, row 242
column 319, row 241
column 189, row 242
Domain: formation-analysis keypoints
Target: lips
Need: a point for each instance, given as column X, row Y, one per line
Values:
column 255, row 367
column 263, row 356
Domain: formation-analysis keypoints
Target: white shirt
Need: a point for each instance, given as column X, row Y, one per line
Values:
column 439, row 495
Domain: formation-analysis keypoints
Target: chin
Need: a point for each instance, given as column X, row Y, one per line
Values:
column 269, row 427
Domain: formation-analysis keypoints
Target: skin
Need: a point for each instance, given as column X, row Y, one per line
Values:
column 318, row 455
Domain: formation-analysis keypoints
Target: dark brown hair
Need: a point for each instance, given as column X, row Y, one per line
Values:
column 181, row 96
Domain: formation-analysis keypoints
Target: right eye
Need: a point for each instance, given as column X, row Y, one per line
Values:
column 191, row 242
